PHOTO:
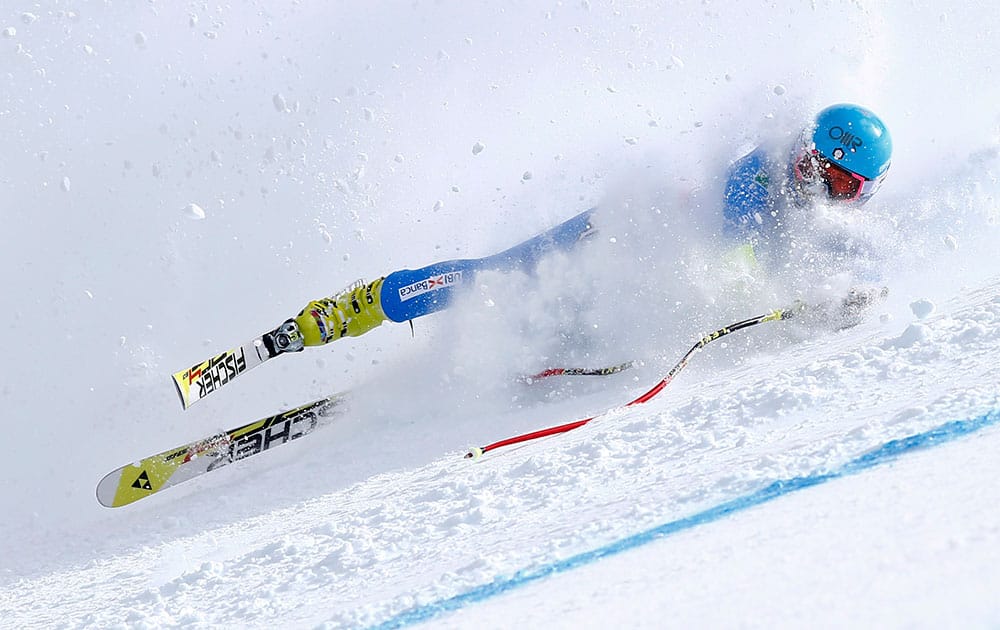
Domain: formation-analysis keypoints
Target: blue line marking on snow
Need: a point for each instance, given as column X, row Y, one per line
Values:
column 886, row 453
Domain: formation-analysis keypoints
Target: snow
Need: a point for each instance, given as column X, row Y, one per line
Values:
column 922, row 308
column 788, row 477
column 194, row 211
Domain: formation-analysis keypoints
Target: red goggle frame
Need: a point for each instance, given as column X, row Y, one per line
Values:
column 841, row 184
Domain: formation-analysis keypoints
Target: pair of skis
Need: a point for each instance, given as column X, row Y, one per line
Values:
column 148, row 476
column 138, row 480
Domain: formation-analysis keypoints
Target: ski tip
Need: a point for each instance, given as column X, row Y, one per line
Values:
column 141, row 479
column 125, row 485
column 202, row 379
column 107, row 487
column 474, row 453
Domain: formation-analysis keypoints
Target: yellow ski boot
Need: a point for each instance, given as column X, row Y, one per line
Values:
column 352, row 313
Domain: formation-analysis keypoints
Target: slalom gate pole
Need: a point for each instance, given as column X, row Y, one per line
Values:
column 775, row 315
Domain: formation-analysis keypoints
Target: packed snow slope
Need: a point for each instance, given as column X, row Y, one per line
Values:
column 179, row 177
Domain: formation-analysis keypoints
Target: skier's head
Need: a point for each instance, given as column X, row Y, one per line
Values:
column 843, row 156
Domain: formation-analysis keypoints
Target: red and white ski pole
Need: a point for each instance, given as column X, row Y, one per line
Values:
column 649, row 395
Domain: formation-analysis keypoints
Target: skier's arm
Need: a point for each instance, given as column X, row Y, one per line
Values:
column 748, row 199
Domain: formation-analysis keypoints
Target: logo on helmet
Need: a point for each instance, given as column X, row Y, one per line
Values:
column 845, row 138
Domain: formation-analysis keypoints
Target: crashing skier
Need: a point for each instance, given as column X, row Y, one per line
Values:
column 838, row 162
column 841, row 158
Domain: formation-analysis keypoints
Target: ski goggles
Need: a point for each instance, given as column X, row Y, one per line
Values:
column 841, row 184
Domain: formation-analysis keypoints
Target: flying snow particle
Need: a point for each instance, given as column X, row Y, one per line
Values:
column 66, row 184
column 194, row 211
column 438, row 205
column 140, row 39
column 527, row 175
column 631, row 140
column 9, row 32
column 88, row 294
column 951, row 242
column 477, row 148
column 922, row 308
column 28, row 18
column 279, row 103
column 779, row 89
column 399, row 158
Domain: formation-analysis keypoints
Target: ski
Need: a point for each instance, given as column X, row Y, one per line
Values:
column 574, row 371
column 201, row 379
column 149, row 476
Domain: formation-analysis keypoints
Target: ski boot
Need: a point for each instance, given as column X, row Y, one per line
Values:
column 351, row 313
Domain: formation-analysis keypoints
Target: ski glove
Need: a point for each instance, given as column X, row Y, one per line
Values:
column 855, row 307
column 842, row 313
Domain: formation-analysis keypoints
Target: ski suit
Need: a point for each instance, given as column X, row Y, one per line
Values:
column 749, row 202
column 406, row 294
column 751, row 213
column 410, row 293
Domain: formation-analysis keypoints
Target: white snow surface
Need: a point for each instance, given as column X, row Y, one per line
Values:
column 791, row 476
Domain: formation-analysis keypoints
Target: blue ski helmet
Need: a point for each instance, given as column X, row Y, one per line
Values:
column 850, row 152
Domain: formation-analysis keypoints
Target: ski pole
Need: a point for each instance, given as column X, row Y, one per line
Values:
column 572, row 371
column 774, row 315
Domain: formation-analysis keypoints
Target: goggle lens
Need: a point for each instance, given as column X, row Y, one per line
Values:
column 840, row 183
